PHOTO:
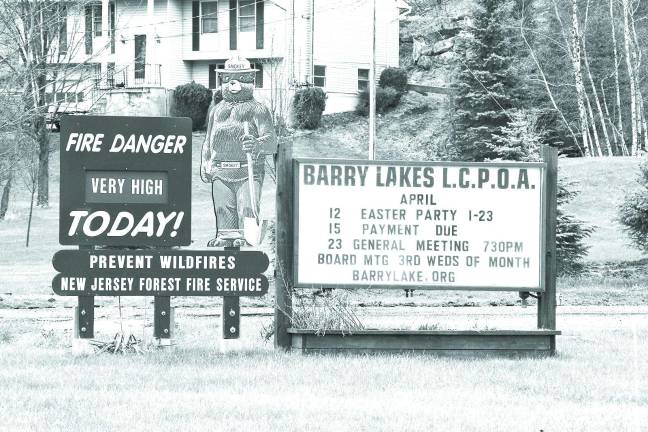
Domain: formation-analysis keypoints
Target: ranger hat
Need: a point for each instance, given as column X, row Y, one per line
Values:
column 237, row 68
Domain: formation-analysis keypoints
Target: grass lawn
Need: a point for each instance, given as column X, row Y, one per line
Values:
column 596, row 383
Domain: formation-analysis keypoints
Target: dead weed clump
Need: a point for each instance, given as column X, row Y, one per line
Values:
column 332, row 311
column 324, row 311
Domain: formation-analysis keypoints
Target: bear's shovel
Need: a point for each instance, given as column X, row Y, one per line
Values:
column 253, row 228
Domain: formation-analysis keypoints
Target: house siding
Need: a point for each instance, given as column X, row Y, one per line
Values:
column 340, row 36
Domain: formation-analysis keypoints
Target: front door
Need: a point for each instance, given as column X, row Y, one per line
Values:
column 140, row 59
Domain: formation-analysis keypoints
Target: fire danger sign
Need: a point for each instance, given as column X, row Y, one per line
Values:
column 125, row 181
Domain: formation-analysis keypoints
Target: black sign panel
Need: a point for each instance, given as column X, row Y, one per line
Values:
column 160, row 273
column 125, row 181
column 217, row 285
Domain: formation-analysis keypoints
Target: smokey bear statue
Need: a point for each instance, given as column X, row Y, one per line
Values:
column 236, row 126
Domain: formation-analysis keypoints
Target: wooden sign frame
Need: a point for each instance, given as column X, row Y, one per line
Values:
column 517, row 342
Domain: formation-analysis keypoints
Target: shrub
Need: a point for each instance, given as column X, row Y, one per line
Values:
column 386, row 99
column 395, row 78
column 308, row 105
column 192, row 100
column 570, row 233
column 633, row 211
column 216, row 98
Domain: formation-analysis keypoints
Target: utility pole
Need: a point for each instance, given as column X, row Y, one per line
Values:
column 372, row 87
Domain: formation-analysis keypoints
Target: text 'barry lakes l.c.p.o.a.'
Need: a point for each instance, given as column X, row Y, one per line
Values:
column 125, row 182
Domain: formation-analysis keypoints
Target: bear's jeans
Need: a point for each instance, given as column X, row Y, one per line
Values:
column 232, row 202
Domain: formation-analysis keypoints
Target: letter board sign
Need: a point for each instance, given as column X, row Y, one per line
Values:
column 125, row 181
column 434, row 225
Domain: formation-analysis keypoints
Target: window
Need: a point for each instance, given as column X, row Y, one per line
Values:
column 110, row 74
column 214, row 78
column 319, row 76
column 247, row 15
column 209, row 16
column 363, row 79
column 96, row 20
column 258, row 76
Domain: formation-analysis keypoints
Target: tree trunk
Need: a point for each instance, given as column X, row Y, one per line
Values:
column 4, row 201
column 644, row 124
column 609, row 118
column 631, row 75
column 590, row 113
column 43, row 164
column 549, row 92
column 643, row 127
column 621, row 132
column 608, row 147
column 578, row 76
column 31, row 210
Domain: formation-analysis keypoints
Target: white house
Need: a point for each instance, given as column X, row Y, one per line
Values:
column 136, row 50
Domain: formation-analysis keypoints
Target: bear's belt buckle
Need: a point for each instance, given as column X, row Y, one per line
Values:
column 230, row 165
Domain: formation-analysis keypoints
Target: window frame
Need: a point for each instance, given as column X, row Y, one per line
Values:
column 317, row 76
column 363, row 80
column 97, row 24
column 258, row 83
column 213, row 18
column 240, row 16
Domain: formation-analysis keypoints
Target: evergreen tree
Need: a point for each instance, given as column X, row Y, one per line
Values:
column 633, row 212
column 486, row 84
column 519, row 140
column 570, row 232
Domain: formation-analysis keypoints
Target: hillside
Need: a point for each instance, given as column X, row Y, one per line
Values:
column 603, row 183
column 412, row 131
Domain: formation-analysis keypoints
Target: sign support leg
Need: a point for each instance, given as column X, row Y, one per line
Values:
column 284, row 232
column 547, row 299
column 162, row 320
column 231, row 311
column 84, row 313
column 84, row 318
column 231, row 318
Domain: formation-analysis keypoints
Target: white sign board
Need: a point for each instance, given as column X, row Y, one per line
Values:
column 419, row 225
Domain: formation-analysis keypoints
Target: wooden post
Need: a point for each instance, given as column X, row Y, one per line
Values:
column 84, row 318
column 162, row 322
column 84, row 313
column 284, row 237
column 231, row 318
column 547, row 299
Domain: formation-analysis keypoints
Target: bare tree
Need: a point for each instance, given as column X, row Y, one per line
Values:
column 608, row 146
column 30, row 173
column 630, row 57
column 619, row 113
column 41, row 44
column 578, row 76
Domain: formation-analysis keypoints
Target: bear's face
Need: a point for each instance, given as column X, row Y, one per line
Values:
column 237, row 91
